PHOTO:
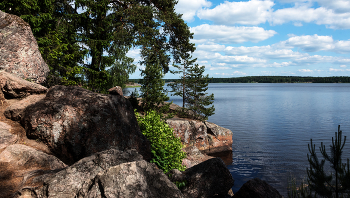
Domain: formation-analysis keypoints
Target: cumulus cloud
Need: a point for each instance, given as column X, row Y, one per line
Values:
column 226, row 34
column 334, row 14
column 252, row 12
column 311, row 43
column 190, row 8
column 271, row 52
column 314, row 43
column 320, row 16
column 339, row 6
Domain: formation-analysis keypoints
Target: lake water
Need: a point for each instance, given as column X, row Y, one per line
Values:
column 272, row 125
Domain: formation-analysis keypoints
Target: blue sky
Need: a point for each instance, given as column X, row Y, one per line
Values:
column 266, row 37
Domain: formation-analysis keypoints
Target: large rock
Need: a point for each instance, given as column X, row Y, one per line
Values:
column 110, row 173
column 15, row 110
column 75, row 123
column 257, row 188
column 208, row 179
column 15, row 87
column 6, row 138
column 18, row 162
column 134, row 179
column 207, row 137
column 25, row 157
column 19, row 52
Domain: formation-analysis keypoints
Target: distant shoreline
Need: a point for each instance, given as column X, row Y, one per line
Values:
column 132, row 85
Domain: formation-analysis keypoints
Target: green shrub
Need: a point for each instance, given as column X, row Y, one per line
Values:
column 165, row 147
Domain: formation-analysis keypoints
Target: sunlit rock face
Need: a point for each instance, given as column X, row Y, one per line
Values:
column 19, row 52
column 206, row 136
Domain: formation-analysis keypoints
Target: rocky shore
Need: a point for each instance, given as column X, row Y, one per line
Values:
column 71, row 142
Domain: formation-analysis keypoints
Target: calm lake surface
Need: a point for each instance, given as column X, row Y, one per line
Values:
column 272, row 125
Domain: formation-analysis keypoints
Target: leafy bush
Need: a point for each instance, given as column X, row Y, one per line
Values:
column 165, row 147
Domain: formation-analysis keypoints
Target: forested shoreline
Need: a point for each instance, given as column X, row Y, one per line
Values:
column 275, row 79
column 282, row 79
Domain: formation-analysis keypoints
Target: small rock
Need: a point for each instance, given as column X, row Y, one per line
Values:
column 6, row 138
column 15, row 87
column 116, row 91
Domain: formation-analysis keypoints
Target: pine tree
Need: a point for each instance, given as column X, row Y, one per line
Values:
column 335, row 183
column 153, row 95
column 102, row 31
column 191, row 87
column 197, row 99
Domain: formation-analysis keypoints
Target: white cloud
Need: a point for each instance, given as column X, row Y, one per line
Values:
column 219, row 68
column 271, row 52
column 189, row 8
column 335, row 70
column 252, row 12
column 334, row 14
column 339, row 6
column 298, row 24
column 311, row 43
column 342, row 46
column 226, row 34
column 305, row 70
column 343, row 66
column 320, row 16
column 211, row 47
column 235, row 73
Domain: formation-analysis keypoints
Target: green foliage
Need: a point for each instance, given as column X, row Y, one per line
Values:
column 197, row 100
column 301, row 191
column 336, row 183
column 103, row 32
column 321, row 182
column 165, row 147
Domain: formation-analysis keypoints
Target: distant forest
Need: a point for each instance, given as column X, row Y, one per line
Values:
column 273, row 79
column 282, row 79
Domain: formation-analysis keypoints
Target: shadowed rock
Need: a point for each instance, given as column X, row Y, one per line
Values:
column 19, row 52
column 257, row 188
column 208, row 179
column 20, row 162
column 75, row 123
column 15, row 111
column 110, row 173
